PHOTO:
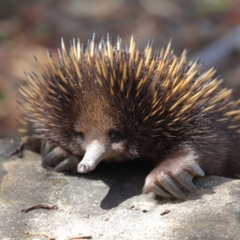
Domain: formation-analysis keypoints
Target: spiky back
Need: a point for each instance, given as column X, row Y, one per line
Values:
column 154, row 95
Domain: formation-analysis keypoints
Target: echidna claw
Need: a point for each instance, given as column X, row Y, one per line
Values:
column 67, row 164
column 45, row 149
column 185, row 181
column 159, row 191
column 197, row 170
column 62, row 165
column 168, row 178
column 56, row 158
column 53, row 157
column 168, row 183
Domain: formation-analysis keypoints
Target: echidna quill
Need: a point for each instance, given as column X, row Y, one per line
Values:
column 107, row 102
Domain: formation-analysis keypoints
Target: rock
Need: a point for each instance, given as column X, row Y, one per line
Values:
column 107, row 204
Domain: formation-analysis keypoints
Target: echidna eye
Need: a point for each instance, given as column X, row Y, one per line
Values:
column 80, row 134
column 115, row 135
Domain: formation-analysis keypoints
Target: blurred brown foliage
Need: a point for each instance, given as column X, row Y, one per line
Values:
column 28, row 27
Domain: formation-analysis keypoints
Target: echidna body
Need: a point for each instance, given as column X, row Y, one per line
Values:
column 108, row 102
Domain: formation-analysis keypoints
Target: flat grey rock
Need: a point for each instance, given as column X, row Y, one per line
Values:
column 107, row 204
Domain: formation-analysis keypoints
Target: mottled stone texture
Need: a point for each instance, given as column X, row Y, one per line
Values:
column 107, row 204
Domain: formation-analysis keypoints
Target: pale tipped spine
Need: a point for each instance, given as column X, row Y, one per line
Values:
column 127, row 71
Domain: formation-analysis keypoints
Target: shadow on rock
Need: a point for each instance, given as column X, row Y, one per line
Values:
column 124, row 179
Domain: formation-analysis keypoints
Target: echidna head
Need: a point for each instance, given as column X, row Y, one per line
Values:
column 99, row 145
column 99, row 133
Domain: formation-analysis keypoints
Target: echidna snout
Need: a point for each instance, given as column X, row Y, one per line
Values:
column 94, row 154
column 103, row 146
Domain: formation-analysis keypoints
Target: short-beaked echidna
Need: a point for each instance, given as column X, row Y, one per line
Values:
column 107, row 102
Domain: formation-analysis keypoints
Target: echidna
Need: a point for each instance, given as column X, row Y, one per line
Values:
column 107, row 102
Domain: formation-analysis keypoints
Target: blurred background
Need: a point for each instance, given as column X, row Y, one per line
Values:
column 28, row 28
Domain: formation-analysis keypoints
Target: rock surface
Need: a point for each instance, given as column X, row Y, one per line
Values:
column 107, row 204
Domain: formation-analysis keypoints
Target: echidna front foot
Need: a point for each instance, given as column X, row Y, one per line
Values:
column 56, row 158
column 171, row 175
